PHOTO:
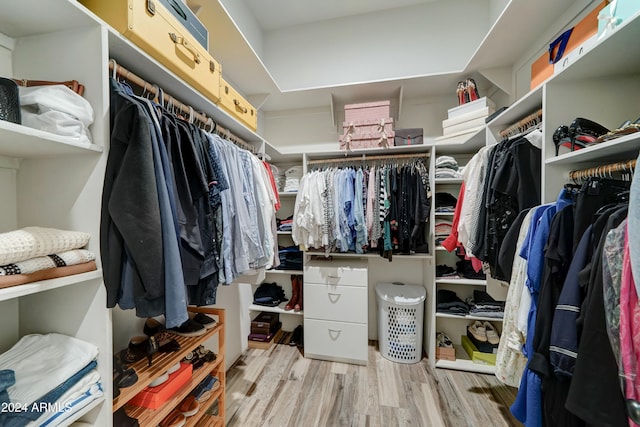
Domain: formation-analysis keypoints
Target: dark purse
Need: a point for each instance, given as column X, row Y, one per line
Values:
column 9, row 101
column 408, row 136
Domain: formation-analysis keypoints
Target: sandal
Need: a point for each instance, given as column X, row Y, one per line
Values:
column 492, row 334
column 472, row 90
column 478, row 331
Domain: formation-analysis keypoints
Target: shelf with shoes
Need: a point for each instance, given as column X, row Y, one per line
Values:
column 161, row 362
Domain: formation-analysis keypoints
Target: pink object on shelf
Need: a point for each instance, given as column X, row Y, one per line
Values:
column 367, row 134
column 367, row 111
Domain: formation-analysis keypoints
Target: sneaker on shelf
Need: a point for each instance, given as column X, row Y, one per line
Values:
column 190, row 328
column 492, row 333
column 204, row 320
column 443, row 340
column 478, row 331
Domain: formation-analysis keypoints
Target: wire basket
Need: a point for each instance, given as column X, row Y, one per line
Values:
column 9, row 101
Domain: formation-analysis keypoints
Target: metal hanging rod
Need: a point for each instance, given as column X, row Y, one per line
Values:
column 366, row 158
column 187, row 110
column 603, row 170
column 523, row 125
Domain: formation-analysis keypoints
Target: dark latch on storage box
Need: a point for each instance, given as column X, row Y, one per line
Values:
column 408, row 136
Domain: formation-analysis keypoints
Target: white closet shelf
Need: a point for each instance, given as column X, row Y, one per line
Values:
column 368, row 255
column 284, row 233
column 18, row 18
column 25, row 142
column 276, row 271
column 461, row 281
column 462, row 142
column 529, row 103
column 288, row 193
column 469, row 317
column 619, row 149
column 279, row 309
column 449, row 181
column 444, row 213
column 149, row 69
column 608, row 58
column 463, row 363
column 46, row 285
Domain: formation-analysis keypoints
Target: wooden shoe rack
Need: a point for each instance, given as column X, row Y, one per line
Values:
column 163, row 361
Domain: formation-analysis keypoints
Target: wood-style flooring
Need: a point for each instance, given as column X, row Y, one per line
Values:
column 279, row 387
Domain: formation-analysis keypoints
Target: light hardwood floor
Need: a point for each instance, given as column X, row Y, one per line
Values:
column 279, row 387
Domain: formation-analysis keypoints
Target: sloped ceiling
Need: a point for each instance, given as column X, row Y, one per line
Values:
column 289, row 54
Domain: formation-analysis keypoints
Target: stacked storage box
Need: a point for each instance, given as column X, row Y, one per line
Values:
column 171, row 33
column 467, row 117
column 367, row 125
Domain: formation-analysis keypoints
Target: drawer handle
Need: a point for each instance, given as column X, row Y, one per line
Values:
column 333, row 277
column 240, row 107
column 334, row 297
column 334, row 333
column 182, row 42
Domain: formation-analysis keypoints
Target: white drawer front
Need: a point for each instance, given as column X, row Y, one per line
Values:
column 335, row 302
column 337, row 274
column 335, row 340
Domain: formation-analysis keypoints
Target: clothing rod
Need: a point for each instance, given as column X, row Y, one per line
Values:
column 184, row 108
column 629, row 166
column 369, row 158
column 522, row 124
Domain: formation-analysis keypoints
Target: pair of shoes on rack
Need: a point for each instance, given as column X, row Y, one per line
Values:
column 295, row 303
column 467, row 91
column 195, row 326
column 123, row 376
column 579, row 134
column 626, row 128
column 484, row 332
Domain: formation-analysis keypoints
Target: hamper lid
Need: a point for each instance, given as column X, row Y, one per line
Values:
column 401, row 294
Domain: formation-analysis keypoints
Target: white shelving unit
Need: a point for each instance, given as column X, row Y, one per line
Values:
column 52, row 181
column 462, row 148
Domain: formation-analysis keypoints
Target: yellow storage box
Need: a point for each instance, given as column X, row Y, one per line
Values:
column 475, row 355
column 149, row 25
column 235, row 104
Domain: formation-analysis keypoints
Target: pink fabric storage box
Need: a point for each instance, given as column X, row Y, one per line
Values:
column 367, row 111
column 366, row 134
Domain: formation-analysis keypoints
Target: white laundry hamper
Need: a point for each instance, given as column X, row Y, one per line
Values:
column 400, row 321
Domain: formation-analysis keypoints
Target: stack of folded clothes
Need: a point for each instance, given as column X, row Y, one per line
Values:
column 484, row 305
column 292, row 181
column 36, row 253
column 442, row 230
column 290, row 258
column 285, row 224
column 445, row 202
column 447, row 167
column 49, row 378
column 448, row 302
column 465, row 269
column 269, row 294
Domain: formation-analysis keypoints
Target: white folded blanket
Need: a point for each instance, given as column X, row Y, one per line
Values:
column 31, row 242
column 62, row 259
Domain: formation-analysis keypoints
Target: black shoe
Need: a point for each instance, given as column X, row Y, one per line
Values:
column 190, row 328
column 152, row 327
column 296, row 337
column 205, row 320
